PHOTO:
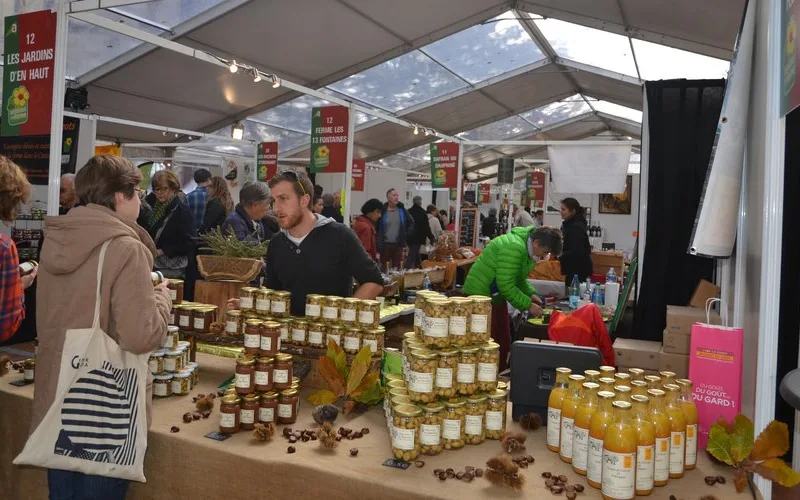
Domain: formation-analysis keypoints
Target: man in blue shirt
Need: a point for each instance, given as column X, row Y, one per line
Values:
column 197, row 199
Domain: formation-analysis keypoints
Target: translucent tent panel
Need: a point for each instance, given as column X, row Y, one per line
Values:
column 486, row 50
column 295, row 115
column 589, row 46
column 658, row 62
column 503, row 129
column 411, row 159
column 401, row 82
column 260, row 132
column 617, row 110
column 557, row 111
column 170, row 12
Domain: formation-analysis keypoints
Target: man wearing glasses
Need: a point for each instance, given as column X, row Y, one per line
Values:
column 314, row 254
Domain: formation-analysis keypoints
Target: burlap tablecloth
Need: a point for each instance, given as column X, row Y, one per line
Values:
column 187, row 465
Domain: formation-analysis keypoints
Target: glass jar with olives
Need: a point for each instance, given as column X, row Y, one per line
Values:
column 453, row 433
column 473, row 421
column 435, row 330
column 466, row 380
column 280, row 304
column 299, row 332
column 488, row 362
column 247, row 299
column 330, row 309
column 316, row 334
column 369, row 314
column 421, row 376
column 348, row 312
column 351, row 343
column 263, row 301
column 445, row 373
column 496, row 408
column 405, row 432
column 480, row 320
column 430, row 429
column 314, row 306
column 335, row 333
column 460, row 317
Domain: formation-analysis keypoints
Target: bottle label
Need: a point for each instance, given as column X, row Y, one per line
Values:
column 373, row 345
column 266, row 415
column 177, row 387
column 199, row 324
column 153, row 365
column 330, row 313
column 247, row 416
column 645, row 467
column 494, row 420
column 280, row 376
column 420, row 382
column 171, row 318
column 403, row 439
column 594, row 466
column 662, row 460
column 348, row 315
column 160, row 389
column 580, row 448
column 487, row 372
column 313, row 310
column 465, row 373
column 452, row 429
column 691, row 444
column 444, row 378
column 366, row 317
column 429, row 434
column 553, row 426
column 418, row 315
column 285, row 411
column 619, row 474
column 232, row 327
column 567, row 426
column 474, row 424
column 266, row 343
column 243, row 380
column 169, row 364
column 285, row 332
column 246, row 303
column 479, row 323
column 252, row 340
column 262, row 305
column 677, row 451
column 262, row 378
column 227, row 419
column 337, row 339
column 314, row 338
column 458, row 325
column 352, row 343
column 183, row 321
column 436, row 327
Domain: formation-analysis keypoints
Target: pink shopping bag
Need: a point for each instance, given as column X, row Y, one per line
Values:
column 715, row 368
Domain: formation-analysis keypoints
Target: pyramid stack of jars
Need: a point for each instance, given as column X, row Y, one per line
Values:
column 449, row 395
column 626, row 432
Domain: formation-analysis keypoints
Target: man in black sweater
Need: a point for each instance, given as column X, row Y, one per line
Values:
column 313, row 254
column 420, row 233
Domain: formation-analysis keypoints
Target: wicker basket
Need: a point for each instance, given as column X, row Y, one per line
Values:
column 215, row 268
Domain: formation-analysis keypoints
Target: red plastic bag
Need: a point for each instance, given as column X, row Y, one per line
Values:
column 583, row 327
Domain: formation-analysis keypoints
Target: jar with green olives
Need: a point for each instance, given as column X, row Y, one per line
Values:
column 480, row 319
column 419, row 310
column 488, row 363
column 435, row 330
column 430, row 429
column 473, row 421
column 405, row 432
column 453, row 433
column 373, row 337
column 460, row 317
column 421, row 376
column 408, row 338
column 348, row 312
column 496, row 408
column 446, row 372
column 466, row 379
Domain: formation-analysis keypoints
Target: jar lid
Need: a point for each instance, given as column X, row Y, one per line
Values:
column 670, row 387
column 244, row 361
column 454, row 403
column 410, row 335
column 171, row 281
column 370, row 303
column 248, row 289
column 354, row 330
column 469, row 350
column 282, row 321
column 289, row 392
column 193, row 364
column 29, row 362
column 497, row 394
column 184, row 343
column 172, row 352
column 502, row 385
column 635, row 371
column 314, row 296
column 352, row 300
column 269, row 395
column 377, row 331
column 157, row 353
column 621, row 405
column 476, row 398
column 252, row 398
column 283, row 357
column 254, row 322
column 398, row 391
column 423, row 354
column 396, row 383
column 656, row 393
column 282, row 293
column 230, row 399
column 182, row 374
column 393, row 376
column 206, row 308
column 271, row 325
column 440, row 301
column 263, row 292
column 448, row 351
column 460, row 300
column 433, row 407
column 490, row 346
column 266, row 359
column 563, row 370
column 299, row 322
column 295, row 380
column 163, row 376
column 333, row 298
column 172, row 329
column 316, row 324
column 480, row 299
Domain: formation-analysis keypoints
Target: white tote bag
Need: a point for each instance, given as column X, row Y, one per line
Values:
column 97, row 423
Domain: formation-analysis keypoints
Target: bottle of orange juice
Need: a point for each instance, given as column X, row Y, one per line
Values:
column 677, row 435
column 622, row 379
column 636, row 374
column 607, row 371
column 667, row 377
column 554, row 408
column 653, row 381
column 660, row 419
column 591, row 375
column 690, row 410
column 606, row 383
column 639, row 387
column 646, row 446
column 569, row 407
column 583, row 420
column 619, row 455
column 597, row 430
column 623, row 393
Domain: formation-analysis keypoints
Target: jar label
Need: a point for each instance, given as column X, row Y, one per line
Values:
column 465, row 373
column 232, row 327
column 418, row 317
column 266, row 415
column 662, row 460
column 594, row 466
column 266, row 343
column 330, row 312
column 173, row 294
column 420, row 382
column 153, row 364
column 487, row 372
column 252, row 340
column 171, row 318
column 366, row 317
column 474, row 424
column 160, row 389
column 444, row 378
column 337, row 339
column 452, row 429
column 351, row 343
column 278, row 306
column 199, row 324
column 262, row 378
column 314, row 338
column 619, row 474
column 458, row 325
column 580, row 448
column 176, row 387
column 285, row 411
column 298, row 335
column 246, row 302
column 436, row 327
column 247, row 416
column 284, row 332
column 262, row 305
column 429, row 435
column 313, row 310
column 480, row 323
column 280, row 376
column 691, row 444
column 227, row 420
column 348, row 315
column 553, row 426
column 170, row 342
column 243, row 380
column 184, row 320
column 567, row 426
column 169, row 364
column 403, row 439
column 677, row 450
column 494, row 420
column 644, row 467
column 373, row 345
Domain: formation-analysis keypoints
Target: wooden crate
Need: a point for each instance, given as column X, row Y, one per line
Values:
column 603, row 261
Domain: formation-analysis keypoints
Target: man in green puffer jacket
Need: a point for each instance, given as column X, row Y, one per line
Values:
column 501, row 272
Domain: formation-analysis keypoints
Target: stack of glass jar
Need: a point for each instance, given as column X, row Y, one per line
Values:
column 192, row 317
column 449, row 395
column 626, row 432
column 173, row 371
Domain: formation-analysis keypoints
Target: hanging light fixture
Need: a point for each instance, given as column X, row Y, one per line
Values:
column 237, row 132
column 234, row 67
column 256, row 76
column 427, row 132
column 416, row 130
column 275, row 82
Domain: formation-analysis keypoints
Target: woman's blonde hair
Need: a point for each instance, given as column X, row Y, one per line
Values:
column 168, row 178
column 221, row 192
column 14, row 189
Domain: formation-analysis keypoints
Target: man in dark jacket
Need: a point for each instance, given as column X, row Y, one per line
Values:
column 421, row 233
column 489, row 224
column 329, row 210
column 393, row 230
column 245, row 221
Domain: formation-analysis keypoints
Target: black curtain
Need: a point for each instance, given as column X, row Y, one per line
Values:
column 682, row 119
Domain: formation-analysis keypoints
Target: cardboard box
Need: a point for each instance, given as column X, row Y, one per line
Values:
column 678, row 363
column 637, row 353
column 603, row 261
column 680, row 319
column 705, row 290
column 626, row 369
column 676, row 343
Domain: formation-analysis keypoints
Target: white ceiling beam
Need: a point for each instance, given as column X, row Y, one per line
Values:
column 568, row 63
column 632, row 142
column 87, row 5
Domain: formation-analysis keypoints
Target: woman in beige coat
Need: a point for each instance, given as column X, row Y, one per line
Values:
column 132, row 312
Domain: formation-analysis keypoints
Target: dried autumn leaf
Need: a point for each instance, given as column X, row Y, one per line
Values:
column 740, row 481
column 359, row 368
column 778, row 471
column 337, row 355
column 368, row 381
column 719, row 444
column 371, row 395
column 773, row 442
column 327, row 369
column 741, row 438
column 321, row 397
column 348, row 406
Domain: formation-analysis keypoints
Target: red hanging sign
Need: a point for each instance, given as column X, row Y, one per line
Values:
column 484, row 194
column 357, row 177
column 329, row 139
column 444, row 164
column 536, row 186
column 267, row 161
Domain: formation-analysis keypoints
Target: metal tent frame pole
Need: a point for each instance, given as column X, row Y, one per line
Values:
column 57, row 115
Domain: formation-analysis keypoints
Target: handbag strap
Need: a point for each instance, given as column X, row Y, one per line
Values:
column 723, row 310
column 98, row 299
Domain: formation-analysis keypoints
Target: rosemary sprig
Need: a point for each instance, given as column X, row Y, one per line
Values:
column 229, row 246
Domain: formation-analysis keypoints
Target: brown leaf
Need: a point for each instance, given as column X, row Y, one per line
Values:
column 327, row 369
column 359, row 368
column 740, row 480
column 368, row 381
column 773, row 442
column 776, row 470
